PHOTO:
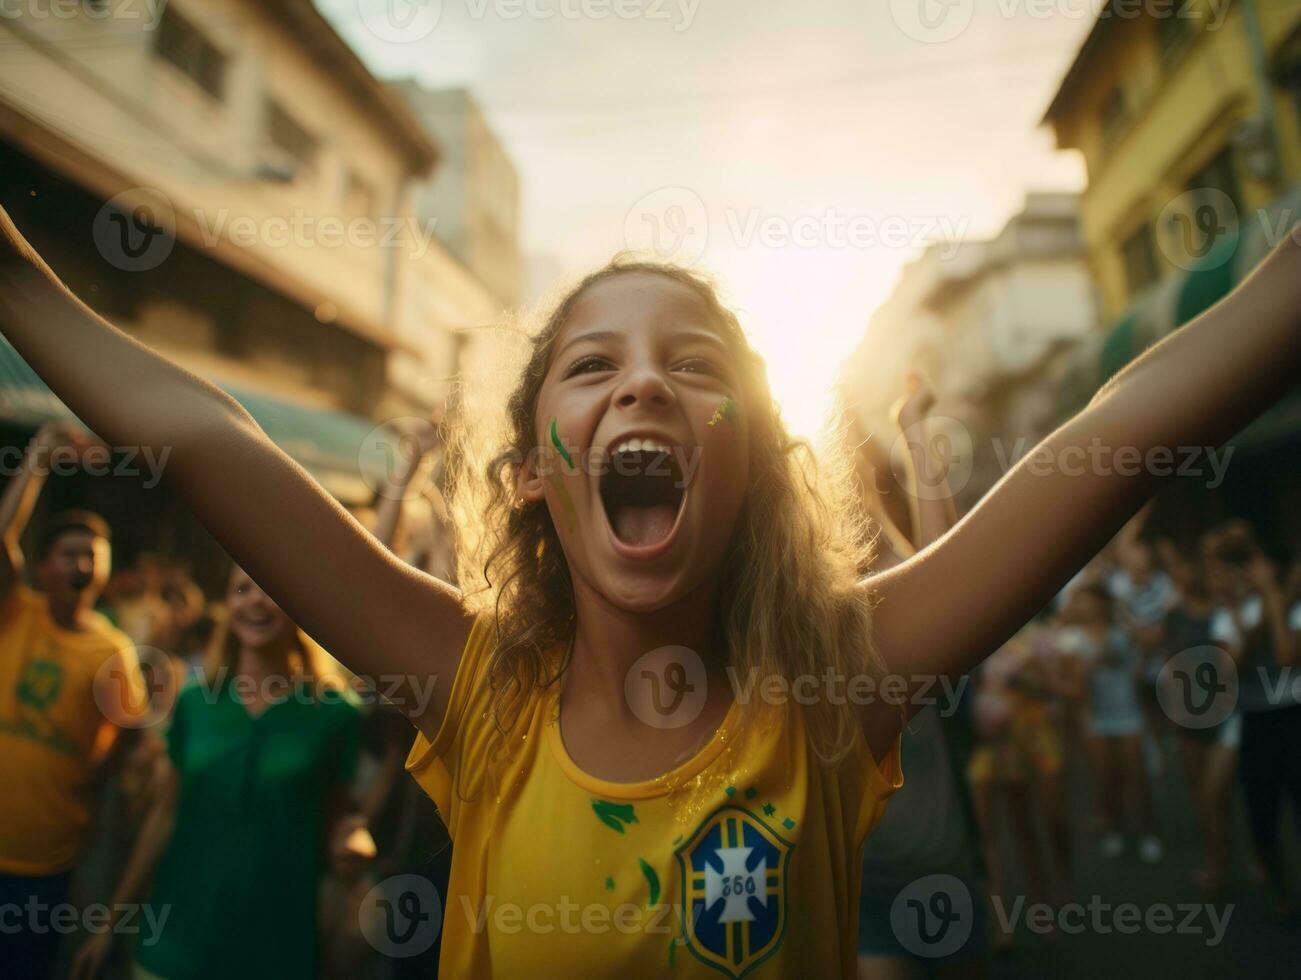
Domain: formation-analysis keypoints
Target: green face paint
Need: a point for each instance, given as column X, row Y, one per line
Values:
column 560, row 446
column 726, row 410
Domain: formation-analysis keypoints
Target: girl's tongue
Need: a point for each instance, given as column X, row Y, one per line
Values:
column 642, row 495
column 643, row 526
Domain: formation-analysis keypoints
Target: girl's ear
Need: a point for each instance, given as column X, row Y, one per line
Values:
column 529, row 478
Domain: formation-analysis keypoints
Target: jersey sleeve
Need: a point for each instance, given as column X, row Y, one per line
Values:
column 874, row 783
column 462, row 744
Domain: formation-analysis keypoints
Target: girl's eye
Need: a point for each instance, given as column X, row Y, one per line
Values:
column 586, row 365
column 697, row 365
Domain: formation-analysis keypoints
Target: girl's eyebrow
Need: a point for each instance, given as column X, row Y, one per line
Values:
column 708, row 336
column 592, row 335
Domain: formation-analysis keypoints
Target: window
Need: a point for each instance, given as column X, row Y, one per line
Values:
column 288, row 135
column 1139, row 254
column 1290, row 81
column 1115, row 114
column 1174, row 29
column 182, row 44
column 1221, row 175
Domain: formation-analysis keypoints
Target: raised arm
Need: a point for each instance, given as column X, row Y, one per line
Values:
column 378, row 616
column 952, row 605
column 19, row 499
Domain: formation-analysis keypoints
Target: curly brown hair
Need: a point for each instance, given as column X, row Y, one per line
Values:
column 791, row 597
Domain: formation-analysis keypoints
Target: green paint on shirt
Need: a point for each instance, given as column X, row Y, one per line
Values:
column 731, row 791
column 751, row 793
column 614, row 815
column 609, row 883
column 788, row 823
column 769, row 809
column 653, row 880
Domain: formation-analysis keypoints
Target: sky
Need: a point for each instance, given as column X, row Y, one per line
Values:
column 801, row 153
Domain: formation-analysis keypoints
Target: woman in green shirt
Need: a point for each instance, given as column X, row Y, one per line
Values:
column 254, row 782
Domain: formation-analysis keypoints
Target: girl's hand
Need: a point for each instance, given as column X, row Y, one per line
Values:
column 352, row 848
column 916, row 404
column 90, row 959
column 1261, row 574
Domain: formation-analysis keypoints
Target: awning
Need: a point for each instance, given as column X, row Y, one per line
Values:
column 332, row 445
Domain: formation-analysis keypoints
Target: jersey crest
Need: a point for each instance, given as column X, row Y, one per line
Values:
column 734, row 885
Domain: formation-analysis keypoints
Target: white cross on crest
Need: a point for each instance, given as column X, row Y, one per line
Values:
column 736, row 884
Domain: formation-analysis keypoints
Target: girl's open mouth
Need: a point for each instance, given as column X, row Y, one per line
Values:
column 643, row 493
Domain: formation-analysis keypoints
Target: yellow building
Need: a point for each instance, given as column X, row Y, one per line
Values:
column 1188, row 116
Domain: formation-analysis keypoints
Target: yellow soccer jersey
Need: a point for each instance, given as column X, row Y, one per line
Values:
column 742, row 861
column 51, row 729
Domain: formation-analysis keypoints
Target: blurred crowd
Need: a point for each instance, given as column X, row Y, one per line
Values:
column 261, row 820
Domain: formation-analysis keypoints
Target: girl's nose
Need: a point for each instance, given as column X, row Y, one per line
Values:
column 645, row 386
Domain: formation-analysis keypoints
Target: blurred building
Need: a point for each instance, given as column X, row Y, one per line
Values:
column 1189, row 123
column 226, row 181
column 987, row 323
column 472, row 200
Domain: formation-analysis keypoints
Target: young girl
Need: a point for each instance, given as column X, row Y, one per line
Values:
column 617, row 806
column 253, row 786
column 1109, row 685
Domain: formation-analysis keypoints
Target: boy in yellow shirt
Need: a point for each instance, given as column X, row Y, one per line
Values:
column 68, row 681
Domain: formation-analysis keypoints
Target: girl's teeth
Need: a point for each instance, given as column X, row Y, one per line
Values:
column 641, row 445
